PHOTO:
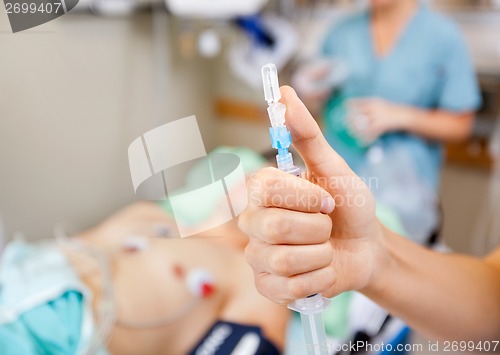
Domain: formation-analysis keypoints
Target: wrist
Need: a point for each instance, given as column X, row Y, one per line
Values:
column 384, row 262
column 406, row 118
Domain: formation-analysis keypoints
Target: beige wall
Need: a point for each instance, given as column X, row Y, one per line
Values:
column 73, row 94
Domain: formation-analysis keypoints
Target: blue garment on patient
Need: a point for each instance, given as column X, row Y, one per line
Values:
column 44, row 306
column 51, row 328
column 429, row 68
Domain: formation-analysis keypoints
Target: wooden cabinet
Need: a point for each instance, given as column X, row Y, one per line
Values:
column 475, row 152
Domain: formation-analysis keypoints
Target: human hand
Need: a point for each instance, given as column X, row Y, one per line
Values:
column 301, row 242
column 370, row 118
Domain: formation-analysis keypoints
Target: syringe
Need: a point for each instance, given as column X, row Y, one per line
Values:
column 310, row 308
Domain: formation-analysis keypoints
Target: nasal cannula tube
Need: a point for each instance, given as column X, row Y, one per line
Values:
column 310, row 308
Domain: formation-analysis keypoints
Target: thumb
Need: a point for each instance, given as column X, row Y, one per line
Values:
column 319, row 156
column 327, row 168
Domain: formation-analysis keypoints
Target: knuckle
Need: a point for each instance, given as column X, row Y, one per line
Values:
column 297, row 287
column 261, row 186
column 274, row 227
column 250, row 253
column 325, row 223
column 281, row 263
column 263, row 284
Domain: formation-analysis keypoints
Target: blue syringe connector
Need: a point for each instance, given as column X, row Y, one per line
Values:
column 282, row 140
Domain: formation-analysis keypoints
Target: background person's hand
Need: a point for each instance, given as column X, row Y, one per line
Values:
column 299, row 244
column 370, row 118
column 315, row 81
column 309, row 80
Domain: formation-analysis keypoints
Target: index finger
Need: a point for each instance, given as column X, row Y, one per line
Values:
column 271, row 187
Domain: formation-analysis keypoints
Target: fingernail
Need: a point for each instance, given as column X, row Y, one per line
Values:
column 327, row 205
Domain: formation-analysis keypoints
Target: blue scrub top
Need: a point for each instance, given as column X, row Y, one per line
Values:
column 429, row 67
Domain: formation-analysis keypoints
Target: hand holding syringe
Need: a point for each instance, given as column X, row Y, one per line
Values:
column 310, row 308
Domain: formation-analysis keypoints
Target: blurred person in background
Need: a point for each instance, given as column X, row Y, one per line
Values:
column 410, row 87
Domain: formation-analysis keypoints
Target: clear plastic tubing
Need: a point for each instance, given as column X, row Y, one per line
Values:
column 311, row 318
column 310, row 308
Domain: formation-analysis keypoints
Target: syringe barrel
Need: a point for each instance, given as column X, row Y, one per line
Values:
column 314, row 333
column 310, row 309
column 285, row 163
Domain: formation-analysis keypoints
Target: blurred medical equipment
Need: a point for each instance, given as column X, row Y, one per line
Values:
column 318, row 77
column 347, row 124
column 268, row 38
column 113, row 7
column 310, row 308
column 192, row 9
column 214, row 9
column 209, row 43
column 263, row 37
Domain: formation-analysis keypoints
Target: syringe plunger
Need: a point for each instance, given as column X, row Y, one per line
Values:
column 276, row 113
column 271, row 84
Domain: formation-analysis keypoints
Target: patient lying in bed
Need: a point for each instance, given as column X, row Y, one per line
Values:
column 169, row 296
